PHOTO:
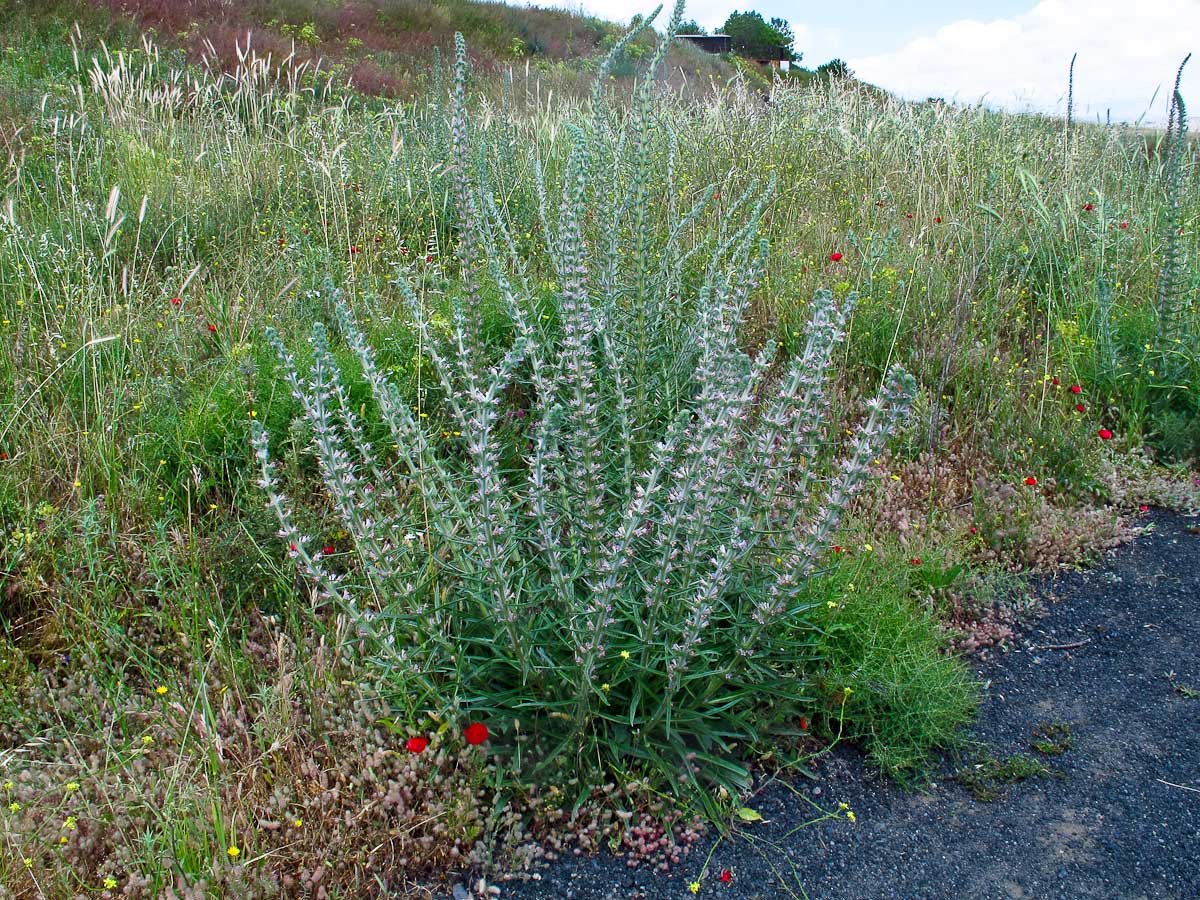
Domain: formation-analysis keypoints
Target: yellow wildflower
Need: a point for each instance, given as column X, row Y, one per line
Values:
column 234, row 852
column 160, row 690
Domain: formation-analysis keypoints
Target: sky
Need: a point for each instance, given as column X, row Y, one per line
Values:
column 1011, row 54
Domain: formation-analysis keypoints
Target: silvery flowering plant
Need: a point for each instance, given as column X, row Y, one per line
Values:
column 612, row 556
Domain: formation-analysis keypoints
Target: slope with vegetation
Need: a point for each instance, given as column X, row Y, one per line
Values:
column 383, row 47
column 398, row 487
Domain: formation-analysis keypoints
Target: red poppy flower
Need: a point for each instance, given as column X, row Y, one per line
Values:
column 1143, row 508
column 416, row 744
column 175, row 301
column 835, row 257
column 1054, row 381
column 1123, row 225
column 329, row 549
column 804, row 723
column 915, row 561
column 475, row 733
column 937, row 219
column 716, row 195
column 908, row 215
column 282, row 243
column 1088, row 207
column 1105, row 434
column 354, row 248
column 3, row 456
column 837, row 548
column 292, row 547
column 428, row 257
column 212, row 327
column 1031, row 481
column 1076, row 389
column 726, row 876
column 1079, row 407
column 974, row 530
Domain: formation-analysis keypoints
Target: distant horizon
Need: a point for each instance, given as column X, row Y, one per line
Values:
column 1006, row 54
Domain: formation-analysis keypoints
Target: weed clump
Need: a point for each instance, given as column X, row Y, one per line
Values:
column 989, row 778
column 1053, row 738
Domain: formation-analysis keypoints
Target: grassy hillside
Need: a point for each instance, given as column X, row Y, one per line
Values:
column 384, row 47
column 394, row 488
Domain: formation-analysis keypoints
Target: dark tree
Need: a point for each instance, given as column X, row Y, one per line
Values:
column 784, row 29
column 756, row 38
column 690, row 26
column 835, row 68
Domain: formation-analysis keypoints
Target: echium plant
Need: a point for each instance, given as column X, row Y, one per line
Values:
column 1172, row 276
column 615, row 556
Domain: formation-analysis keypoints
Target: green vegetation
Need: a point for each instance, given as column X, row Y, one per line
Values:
column 384, row 49
column 835, row 68
column 1053, row 738
column 647, row 278
column 888, row 683
column 579, row 561
column 757, row 38
column 1186, row 691
column 988, row 778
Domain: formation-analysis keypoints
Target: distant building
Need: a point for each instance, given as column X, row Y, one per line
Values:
column 723, row 43
column 713, row 43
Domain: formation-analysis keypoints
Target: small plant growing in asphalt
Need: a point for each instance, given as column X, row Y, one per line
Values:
column 1053, row 738
column 988, row 778
column 610, row 553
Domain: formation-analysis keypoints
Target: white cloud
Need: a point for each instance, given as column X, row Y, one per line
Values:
column 1126, row 51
